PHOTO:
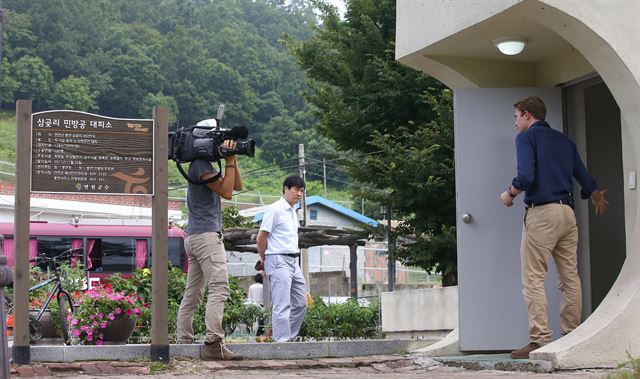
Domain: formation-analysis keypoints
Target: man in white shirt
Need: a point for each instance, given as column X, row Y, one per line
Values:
column 277, row 244
column 256, row 296
column 255, row 290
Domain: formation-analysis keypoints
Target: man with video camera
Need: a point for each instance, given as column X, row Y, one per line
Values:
column 205, row 251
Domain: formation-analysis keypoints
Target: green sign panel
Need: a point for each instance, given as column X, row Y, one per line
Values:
column 78, row 152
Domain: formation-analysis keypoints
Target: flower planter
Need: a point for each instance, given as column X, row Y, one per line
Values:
column 119, row 330
column 48, row 328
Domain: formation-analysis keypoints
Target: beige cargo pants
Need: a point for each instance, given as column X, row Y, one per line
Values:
column 550, row 230
column 207, row 267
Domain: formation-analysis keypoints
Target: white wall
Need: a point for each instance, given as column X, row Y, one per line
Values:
column 424, row 313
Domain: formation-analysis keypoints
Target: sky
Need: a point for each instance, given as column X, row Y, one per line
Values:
column 338, row 4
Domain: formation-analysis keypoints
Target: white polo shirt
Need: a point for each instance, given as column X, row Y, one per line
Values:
column 280, row 220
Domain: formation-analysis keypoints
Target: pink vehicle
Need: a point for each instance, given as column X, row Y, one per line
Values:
column 107, row 249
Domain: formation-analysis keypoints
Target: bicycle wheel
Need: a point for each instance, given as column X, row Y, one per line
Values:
column 35, row 329
column 66, row 309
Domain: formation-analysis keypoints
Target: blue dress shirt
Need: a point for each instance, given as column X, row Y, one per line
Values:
column 547, row 161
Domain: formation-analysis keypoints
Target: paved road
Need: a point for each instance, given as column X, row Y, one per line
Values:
column 377, row 367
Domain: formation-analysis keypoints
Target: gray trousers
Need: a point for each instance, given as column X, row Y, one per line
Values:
column 288, row 296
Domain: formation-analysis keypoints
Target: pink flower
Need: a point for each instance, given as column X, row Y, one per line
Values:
column 92, row 317
column 103, row 325
column 137, row 311
column 74, row 321
column 118, row 310
column 99, row 342
column 76, row 332
column 100, row 315
column 111, row 316
column 128, row 312
column 89, row 337
column 95, row 323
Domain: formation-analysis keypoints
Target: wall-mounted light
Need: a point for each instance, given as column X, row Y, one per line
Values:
column 510, row 45
column 75, row 219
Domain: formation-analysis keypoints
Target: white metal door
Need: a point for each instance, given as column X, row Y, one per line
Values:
column 493, row 315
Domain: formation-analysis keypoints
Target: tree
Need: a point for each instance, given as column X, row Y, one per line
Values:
column 8, row 85
column 34, row 78
column 158, row 99
column 398, row 120
column 74, row 93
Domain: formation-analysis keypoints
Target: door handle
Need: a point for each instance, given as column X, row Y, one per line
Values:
column 467, row 218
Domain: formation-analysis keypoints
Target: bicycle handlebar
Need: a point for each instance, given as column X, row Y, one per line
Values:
column 65, row 254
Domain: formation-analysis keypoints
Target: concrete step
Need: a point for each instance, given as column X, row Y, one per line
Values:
column 501, row 362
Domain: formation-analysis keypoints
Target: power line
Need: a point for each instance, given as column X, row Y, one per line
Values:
column 264, row 170
column 335, row 167
column 356, row 156
column 286, row 168
column 264, row 184
column 271, row 165
column 342, row 181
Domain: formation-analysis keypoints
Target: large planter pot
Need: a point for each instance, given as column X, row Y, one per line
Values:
column 48, row 328
column 119, row 330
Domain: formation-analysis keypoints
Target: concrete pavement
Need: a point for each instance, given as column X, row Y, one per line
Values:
column 376, row 366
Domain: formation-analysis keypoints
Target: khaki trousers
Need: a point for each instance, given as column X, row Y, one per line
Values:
column 550, row 230
column 207, row 267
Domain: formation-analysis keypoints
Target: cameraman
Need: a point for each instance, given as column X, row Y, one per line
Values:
column 206, row 254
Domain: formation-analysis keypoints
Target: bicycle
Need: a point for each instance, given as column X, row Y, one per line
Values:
column 65, row 301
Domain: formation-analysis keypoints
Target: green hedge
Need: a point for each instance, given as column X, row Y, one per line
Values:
column 348, row 320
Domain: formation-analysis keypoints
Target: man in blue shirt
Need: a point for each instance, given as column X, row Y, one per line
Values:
column 547, row 162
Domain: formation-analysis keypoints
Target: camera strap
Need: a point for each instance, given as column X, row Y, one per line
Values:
column 199, row 182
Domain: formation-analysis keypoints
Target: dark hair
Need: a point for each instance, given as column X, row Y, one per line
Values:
column 258, row 278
column 533, row 105
column 293, row 181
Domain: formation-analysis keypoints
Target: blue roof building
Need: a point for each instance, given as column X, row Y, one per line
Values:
column 323, row 212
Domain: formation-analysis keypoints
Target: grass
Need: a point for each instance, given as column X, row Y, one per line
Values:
column 156, row 367
column 627, row 370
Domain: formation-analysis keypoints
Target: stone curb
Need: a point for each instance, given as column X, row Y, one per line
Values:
column 290, row 350
column 378, row 363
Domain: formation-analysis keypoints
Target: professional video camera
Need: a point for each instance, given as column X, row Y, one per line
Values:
column 205, row 141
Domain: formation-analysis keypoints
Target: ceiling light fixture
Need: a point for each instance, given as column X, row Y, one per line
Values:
column 510, row 45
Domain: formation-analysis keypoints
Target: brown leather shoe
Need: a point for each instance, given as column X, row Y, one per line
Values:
column 524, row 352
column 217, row 351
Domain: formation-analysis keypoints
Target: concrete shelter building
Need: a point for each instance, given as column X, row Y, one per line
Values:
column 582, row 57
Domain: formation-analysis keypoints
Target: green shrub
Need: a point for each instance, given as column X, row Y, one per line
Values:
column 348, row 320
column 236, row 312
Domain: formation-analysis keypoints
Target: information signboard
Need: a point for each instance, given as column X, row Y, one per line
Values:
column 78, row 152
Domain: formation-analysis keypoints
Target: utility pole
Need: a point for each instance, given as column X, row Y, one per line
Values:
column 324, row 173
column 304, row 253
column 1, row 22
column 391, row 261
column 303, row 174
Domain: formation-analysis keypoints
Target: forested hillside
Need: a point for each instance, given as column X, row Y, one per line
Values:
column 121, row 57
